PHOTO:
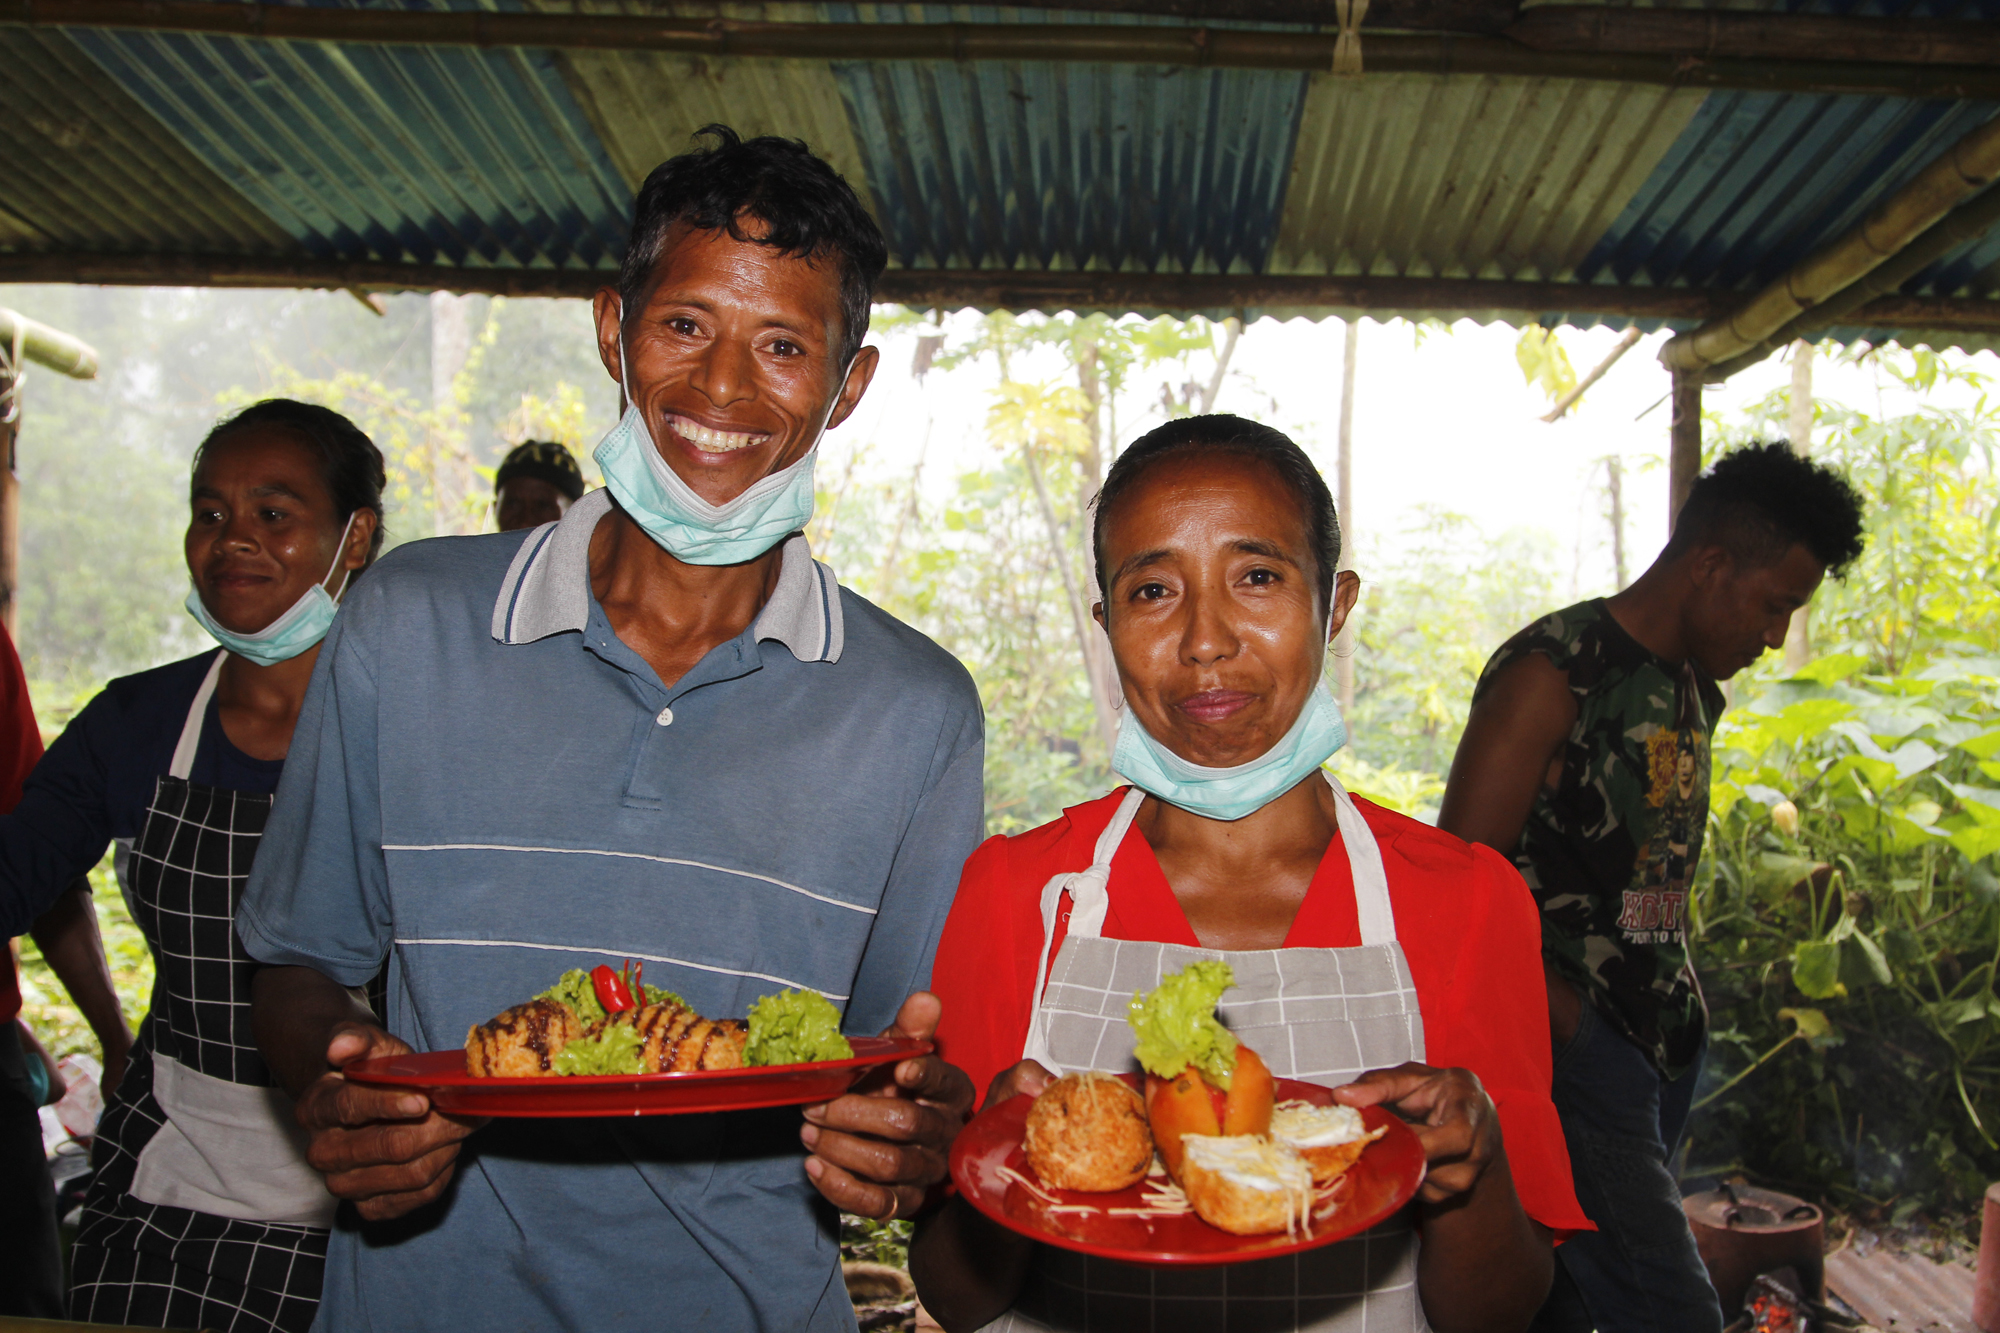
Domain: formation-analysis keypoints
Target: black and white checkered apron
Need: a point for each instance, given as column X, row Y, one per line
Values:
column 156, row 1264
column 1323, row 1016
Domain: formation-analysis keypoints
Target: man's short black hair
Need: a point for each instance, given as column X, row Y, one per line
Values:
column 543, row 460
column 1225, row 434
column 1762, row 500
column 806, row 208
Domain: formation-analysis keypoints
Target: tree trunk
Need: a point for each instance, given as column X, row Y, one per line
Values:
column 452, row 478
column 1090, row 640
column 1343, row 647
column 1233, row 328
column 1614, row 483
column 1798, row 638
column 1683, row 442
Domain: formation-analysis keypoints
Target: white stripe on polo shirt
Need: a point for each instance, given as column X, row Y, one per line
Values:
column 617, row 953
column 547, row 589
column 630, row 856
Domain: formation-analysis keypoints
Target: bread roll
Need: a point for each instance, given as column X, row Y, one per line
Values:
column 1329, row 1138
column 1088, row 1132
column 1244, row 1184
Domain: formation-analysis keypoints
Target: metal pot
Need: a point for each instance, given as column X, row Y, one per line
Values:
column 1742, row 1231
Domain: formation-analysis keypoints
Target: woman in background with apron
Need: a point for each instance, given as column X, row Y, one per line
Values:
column 203, row 1212
column 1371, row 952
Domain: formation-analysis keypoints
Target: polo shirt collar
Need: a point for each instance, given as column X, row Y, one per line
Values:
column 547, row 589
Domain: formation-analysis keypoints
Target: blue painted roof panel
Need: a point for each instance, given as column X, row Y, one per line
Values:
column 410, row 154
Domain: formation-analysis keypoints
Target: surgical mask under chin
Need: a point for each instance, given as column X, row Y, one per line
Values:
column 302, row 626
column 686, row 526
column 1231, row 793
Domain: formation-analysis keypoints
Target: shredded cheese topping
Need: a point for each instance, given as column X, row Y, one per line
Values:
column 1303, row 1125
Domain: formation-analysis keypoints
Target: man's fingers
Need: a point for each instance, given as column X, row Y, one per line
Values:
column 918, row 1018
column 898, row 1119
column 876, row 1160
column 861, row 1197
column 1027, row 1078
column 931, row 1079
column 381, row 1180
column 392, row 1143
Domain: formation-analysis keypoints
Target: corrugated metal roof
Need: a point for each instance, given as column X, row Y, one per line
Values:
column 1005, row 165
column 88, row 168
column 411, row 154
column 527, row 159
column 1488, row 177
column 1903, row 1293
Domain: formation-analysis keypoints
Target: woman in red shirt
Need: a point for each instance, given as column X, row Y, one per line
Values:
column 1372, row 953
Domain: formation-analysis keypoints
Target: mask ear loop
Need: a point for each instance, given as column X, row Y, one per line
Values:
column 340, row 555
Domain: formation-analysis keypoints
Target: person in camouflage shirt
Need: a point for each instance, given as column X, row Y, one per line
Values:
column 1586, row 759
column 1629, row 809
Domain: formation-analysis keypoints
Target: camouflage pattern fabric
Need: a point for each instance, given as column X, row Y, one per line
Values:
column 1610, row 852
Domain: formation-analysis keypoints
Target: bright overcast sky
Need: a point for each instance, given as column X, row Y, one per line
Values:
column 1448, row 422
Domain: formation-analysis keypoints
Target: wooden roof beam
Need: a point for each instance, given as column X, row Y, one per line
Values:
column 1014, row 289
column 1176, row 45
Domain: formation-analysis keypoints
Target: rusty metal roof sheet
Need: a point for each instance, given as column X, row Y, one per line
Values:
column 1903, row 1293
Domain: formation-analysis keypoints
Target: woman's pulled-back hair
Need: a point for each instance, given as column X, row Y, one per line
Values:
column 349, row 463
column 807, row 209
column 1225, row 434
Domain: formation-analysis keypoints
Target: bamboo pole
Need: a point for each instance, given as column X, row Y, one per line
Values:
column 1798, row 635
column 1707, row 33
column 1966, row 223
column 1956, row 174
column 1149, row 44
column 48, row 347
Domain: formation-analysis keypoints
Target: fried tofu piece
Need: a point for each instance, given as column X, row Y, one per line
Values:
column 1088, row 1131
column 676, row 1040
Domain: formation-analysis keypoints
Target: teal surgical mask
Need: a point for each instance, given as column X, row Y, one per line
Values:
column 1231, row 793
column 686, row 526
column 301, row 627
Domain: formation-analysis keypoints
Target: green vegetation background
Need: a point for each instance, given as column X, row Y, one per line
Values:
column 1848, row 917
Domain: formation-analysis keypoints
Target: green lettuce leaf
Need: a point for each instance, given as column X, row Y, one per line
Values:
column 1176, row 1025
column 574, row 989
column 612, row 1049
column 795, row 1027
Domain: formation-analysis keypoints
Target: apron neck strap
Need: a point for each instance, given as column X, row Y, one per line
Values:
column 1364, row 860
column 183, row 761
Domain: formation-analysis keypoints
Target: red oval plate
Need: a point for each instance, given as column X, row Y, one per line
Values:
column 1383, row 1181
column 441, row 1076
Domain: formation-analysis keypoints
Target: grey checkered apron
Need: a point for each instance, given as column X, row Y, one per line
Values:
column 154, row 1264
column 1319, row 1015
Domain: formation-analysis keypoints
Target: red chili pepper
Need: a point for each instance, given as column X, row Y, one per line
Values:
column 639, row 985
column 611, row 990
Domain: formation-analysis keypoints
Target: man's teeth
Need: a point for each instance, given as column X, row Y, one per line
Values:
column 712, row 441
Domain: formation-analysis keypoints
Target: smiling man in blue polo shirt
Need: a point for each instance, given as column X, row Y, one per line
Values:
column 655, row 729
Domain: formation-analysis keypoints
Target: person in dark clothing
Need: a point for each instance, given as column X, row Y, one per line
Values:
column 1586, row 759
column 203, row 1212
column 537, row 483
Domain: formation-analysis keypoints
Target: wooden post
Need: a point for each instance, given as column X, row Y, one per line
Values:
column 1684, row 448
column 1343, row 659
column 1614, row 484
column 1798, row 639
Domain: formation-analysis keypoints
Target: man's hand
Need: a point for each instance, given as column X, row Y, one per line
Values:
column 383, row 1148
column 876, row 1152
column 1453, row 1117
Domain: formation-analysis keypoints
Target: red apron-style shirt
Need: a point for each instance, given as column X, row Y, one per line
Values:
column 20, row 747
column 1467, row 924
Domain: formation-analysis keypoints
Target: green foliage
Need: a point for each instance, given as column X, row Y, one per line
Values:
column 1543, row 362
column 1850, row 864
column 1428, row 619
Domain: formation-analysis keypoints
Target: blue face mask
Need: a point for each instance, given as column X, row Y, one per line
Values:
column 300, row 628
column 1231, row 793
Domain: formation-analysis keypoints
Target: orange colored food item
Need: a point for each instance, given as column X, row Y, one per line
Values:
column 1246, row 1184
column 1088, row 1132
column 1186, row 1104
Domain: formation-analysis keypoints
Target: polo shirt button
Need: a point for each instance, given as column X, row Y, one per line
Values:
column 666, row 717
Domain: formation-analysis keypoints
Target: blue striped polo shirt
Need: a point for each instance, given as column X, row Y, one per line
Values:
column 487, row 787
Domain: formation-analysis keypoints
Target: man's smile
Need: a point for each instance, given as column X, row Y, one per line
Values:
column 711, row 441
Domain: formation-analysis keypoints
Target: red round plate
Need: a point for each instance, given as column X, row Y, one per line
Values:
column 441, row 1076
column 1383, row 1180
